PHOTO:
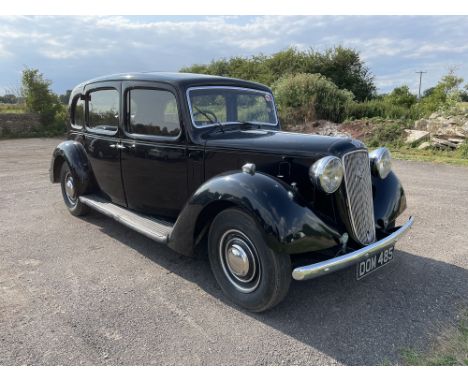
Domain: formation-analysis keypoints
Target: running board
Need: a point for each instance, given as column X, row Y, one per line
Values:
column 156, row 230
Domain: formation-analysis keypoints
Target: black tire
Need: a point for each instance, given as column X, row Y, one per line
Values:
column 72, row 201
column 261, row 284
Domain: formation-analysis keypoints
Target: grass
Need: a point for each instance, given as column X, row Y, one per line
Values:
column 451, row 348
column 12, row 108
column 455, row 157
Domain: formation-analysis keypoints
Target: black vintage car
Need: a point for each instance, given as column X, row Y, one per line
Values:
column 200, row 163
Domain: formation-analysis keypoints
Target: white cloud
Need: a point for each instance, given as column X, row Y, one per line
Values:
column 71, row 49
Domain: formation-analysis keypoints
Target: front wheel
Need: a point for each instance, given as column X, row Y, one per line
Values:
column 71, row 197
column 246, row 269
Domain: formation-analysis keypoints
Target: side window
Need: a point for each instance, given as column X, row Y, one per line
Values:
column 103, row 110
column 153, row 112
column 77, row 114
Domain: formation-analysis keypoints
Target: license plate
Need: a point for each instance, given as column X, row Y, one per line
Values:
column 374, row 262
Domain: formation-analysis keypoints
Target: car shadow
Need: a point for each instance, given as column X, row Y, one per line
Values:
column 367, row 322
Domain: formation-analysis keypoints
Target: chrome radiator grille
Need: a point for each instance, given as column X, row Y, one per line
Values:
column 357, row 176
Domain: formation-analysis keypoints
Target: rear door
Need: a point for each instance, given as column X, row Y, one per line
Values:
column 102, row 137
column 154, row 160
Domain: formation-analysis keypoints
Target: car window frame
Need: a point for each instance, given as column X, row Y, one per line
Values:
column 149, row 137
column 93, row 89
column 198, row 127
column 75, row 100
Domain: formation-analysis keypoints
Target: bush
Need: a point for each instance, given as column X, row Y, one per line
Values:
column 377, row 108
column 38, row 97
column 343, row 66
column 463, row 149
column 387, row 135
column 442, row 98
column 41, row 100
column 304, row 97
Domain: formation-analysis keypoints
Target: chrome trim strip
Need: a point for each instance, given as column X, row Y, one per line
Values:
column 353, row 224
column 228, row 87
column 126, row 221
column 332, row 265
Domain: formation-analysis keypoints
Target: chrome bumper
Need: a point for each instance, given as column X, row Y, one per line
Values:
column 332, row 265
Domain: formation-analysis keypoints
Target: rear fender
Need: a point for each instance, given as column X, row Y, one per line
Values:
column 74, row 154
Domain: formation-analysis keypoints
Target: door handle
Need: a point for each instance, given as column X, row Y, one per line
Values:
column 117, row 146
column 195, row 155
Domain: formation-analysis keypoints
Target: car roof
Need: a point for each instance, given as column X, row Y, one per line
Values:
column 179, row 79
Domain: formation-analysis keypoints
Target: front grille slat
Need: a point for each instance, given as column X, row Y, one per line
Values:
column 357, row 176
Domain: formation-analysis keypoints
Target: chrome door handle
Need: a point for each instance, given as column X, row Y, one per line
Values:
column 117, row 146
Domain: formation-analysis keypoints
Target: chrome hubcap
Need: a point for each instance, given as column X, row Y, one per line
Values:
column 70, row 188
column 239, row 261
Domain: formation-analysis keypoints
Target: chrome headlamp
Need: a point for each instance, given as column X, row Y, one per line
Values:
column 381, row 162
column 327, row 173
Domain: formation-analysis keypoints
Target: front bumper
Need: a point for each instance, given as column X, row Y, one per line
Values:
column 322, row 268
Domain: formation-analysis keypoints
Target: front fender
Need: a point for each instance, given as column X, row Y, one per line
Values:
column 389, row 200
column 288, row 225
column 74, row 154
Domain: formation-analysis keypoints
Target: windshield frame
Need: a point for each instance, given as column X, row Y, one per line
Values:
column 227, row 123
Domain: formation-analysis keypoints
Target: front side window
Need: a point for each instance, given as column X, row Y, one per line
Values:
column 231, row 105
column 78, row 113
column 153, row 112
column 103, row 110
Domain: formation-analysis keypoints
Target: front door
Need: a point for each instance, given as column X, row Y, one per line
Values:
column 101, row 138
column 154, row 158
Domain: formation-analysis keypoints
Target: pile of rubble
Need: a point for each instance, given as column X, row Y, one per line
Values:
column 321, row 127
column 443, row 132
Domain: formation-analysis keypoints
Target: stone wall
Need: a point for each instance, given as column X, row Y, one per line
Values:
column 18, row 124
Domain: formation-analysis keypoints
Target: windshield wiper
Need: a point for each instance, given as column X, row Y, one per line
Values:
column 215, row 122
column 248, row 124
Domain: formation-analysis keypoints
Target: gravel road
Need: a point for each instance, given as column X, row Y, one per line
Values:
column 89, row 291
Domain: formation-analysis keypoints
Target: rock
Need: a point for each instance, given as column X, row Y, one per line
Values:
column 434, row 115
column 457, row 141
column 452, row 131
column 424, row 145
column 415, row 136
column 464, row 128
column 421, row 124
column 443, row 143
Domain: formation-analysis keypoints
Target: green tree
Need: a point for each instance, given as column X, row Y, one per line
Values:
column 443, row 97
column 38, row 96
column 8, row 98
column 343, row 66
column 305, row 97
column 401, row 96
column 64, row 98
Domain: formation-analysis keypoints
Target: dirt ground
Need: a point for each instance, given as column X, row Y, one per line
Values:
column 77, row 291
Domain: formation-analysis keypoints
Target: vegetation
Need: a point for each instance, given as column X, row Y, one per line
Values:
column 333, row 85
column 305, row 97
column 41, row 100
column 450, row 350
column 342, row 66
column 12, row 108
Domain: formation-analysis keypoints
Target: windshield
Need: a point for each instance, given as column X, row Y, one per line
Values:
column 213, row 105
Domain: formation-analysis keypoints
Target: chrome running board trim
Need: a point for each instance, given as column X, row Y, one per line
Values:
column 154, row 229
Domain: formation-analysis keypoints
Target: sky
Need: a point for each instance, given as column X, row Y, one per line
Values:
column 69, row 50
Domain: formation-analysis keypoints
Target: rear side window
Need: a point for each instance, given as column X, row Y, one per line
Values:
column 153, row 112
column 77, row 115
column 103, row 110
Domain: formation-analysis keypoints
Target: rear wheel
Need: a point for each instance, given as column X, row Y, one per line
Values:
column 71, row 197
column 247, row 270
